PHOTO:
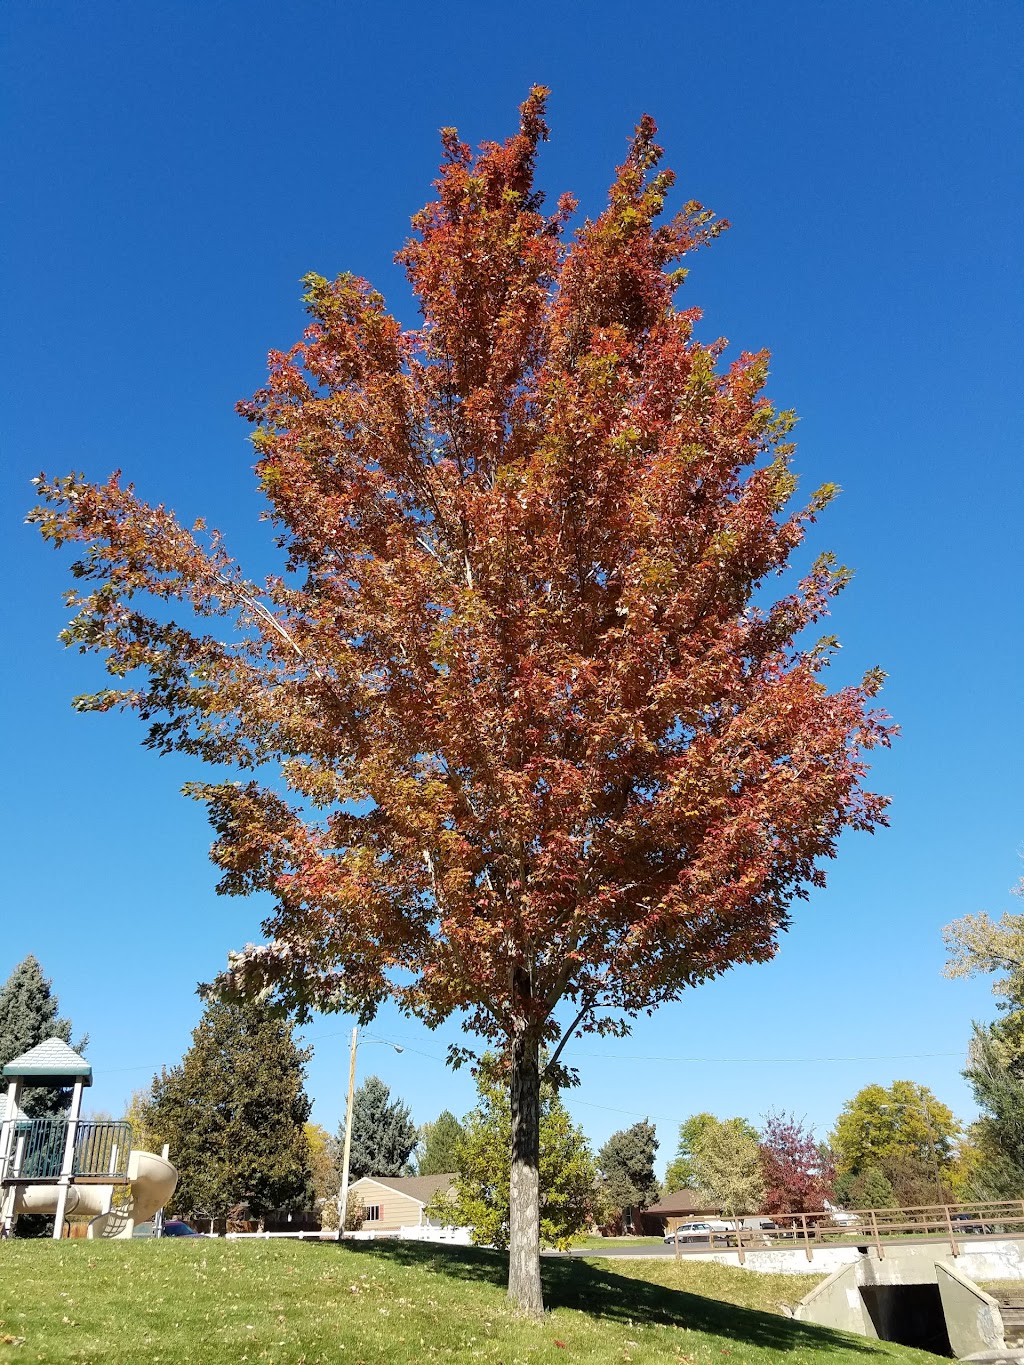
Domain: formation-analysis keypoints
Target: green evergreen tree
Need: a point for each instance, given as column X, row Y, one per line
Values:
column 483, row 1166
column 440, row 1145
column 626, row 1166
column 995, row 1078
column 233, row 1113
column 870, row 1189
column 383, row 1133
column 29, row 1016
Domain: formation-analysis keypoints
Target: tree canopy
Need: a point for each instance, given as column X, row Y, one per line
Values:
column 29, row 1014
column 551, row 753
column 383, row 1133
column 440, row 1141
column 906, row 1134
column 626, row 1168
column 992, row 1161
column 324, row 1162
column 727, row 1165
column 233, row 1112
column 680, row 1173
column 978, row 945
column 799, row 1174
column 994, row 1072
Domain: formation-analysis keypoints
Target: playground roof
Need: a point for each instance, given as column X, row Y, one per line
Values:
column 51, row 1063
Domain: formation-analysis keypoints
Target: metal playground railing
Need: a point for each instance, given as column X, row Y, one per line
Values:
column 101, row 1150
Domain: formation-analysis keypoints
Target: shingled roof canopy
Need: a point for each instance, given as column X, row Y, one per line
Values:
column 683, row 1203
column 51, row 1063
column 422, row 1188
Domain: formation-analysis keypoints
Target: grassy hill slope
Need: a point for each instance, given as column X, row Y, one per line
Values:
column 306, row 1303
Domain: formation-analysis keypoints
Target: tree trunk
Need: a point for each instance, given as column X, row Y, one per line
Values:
column 524, row 1196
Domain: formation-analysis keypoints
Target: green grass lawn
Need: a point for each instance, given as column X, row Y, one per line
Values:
column 302, row 1303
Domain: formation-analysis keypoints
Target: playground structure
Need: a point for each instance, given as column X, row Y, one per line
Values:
column 70, row 1166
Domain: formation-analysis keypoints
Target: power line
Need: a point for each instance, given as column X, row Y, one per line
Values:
column 762, row 1061
column 634, row 1057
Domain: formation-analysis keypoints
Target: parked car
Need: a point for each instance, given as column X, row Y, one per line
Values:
column 697, row 1232
column 173, row 1227
column 974, row 1223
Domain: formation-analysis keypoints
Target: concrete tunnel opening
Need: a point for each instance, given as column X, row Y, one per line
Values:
column 909, row 1315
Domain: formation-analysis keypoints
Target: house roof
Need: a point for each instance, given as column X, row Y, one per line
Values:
column 51, row 1062
column 422, row 1188
column 682, row 1202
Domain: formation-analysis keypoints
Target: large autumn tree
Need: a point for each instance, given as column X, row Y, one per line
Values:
column 553, row 753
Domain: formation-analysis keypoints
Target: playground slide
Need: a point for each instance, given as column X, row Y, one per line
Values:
column 151, row 1182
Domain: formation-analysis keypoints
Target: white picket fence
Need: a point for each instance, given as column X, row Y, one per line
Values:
column 416, row 1232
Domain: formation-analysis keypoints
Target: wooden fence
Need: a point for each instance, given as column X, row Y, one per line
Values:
column 947, row 1223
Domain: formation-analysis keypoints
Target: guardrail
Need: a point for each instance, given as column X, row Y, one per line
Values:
column 821, row 1228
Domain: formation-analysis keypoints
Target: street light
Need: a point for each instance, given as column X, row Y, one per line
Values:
column 343, row 1192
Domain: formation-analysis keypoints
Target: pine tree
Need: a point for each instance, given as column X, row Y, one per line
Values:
column 868, row 1190
column 28, row 1016
column 626, row 1164
column 440, row 1144
column 999, row 1133
column 383, row 1133
column 233, row 1113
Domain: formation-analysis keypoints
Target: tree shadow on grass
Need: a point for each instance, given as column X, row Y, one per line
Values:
column 601, row 1293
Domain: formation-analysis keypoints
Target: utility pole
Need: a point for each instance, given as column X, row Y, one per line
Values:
column 343, row 1192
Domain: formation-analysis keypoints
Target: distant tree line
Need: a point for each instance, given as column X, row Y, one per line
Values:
column 236, row 1117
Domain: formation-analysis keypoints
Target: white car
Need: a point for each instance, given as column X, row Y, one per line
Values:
column 697, row 1232
column 842, row 1219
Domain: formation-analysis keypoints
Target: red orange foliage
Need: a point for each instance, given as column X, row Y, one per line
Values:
column 543, row 741
column 799, row 1174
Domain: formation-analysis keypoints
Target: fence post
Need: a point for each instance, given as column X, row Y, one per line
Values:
column 67, row 1165
column 878, row 1240
column 949, row 1227
column 740, row 1253
column 675, row 1243
column 807, row 1240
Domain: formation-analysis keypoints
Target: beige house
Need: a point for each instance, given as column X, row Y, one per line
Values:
column 398, row 1201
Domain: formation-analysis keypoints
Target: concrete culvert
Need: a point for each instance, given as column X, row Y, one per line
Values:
column 908, row 1314
column 913, row 1300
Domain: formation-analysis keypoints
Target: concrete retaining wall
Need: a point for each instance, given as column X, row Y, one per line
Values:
column 1001, row 1259
column 973, row 1320
column 837, row 1303
column 910, row 1296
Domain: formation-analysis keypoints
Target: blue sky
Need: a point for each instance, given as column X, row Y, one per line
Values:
column 173, row 169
